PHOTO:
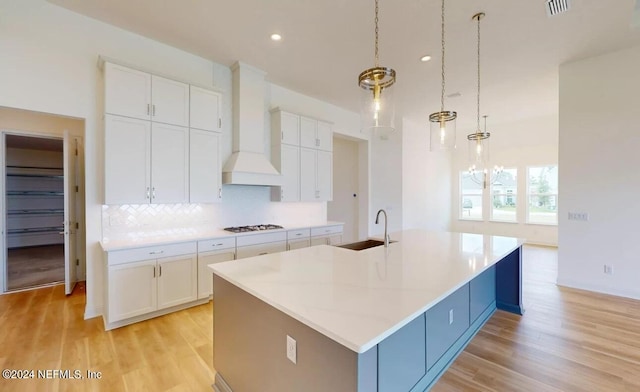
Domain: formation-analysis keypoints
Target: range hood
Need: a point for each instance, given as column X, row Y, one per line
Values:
column 248, row 165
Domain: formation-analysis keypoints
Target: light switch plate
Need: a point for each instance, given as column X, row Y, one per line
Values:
column 291, row 349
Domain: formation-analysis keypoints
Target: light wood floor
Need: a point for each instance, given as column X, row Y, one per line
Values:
column 568, row 340
column 34, row 266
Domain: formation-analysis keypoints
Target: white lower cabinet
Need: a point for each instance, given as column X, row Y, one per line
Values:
column 211, row 252
column 144, row 281
column 326, row 235
column 297, row 239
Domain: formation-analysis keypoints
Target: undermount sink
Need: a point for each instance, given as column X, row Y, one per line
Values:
column 362, row 245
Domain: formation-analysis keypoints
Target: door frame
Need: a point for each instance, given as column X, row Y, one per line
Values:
column 79, row 207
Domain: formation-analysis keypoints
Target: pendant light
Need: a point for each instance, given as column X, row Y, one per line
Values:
column 443, row 123
column 479, row 140
column 377, row 106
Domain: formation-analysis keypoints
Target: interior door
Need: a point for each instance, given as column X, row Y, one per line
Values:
column 70, row 154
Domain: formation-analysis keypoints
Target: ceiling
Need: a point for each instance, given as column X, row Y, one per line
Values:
column 326, row 44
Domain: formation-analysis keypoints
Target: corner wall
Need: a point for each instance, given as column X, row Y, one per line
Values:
column 598, row 173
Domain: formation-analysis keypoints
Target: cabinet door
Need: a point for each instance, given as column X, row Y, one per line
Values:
column 290, row 170
column 324, row 175
column 169, row 164
column 319, row 241
column 127, row 92
column 308, row 128
column 205, row 173
column 290, row 128
column 261, row 249
column 204, row 109
column 132, row 289
column 325, row 136
column 308, row 174
column 169, row 101
column 205, row 276
column 298, row 244
column 335, row 239
column 177, row 280
column 127, row 152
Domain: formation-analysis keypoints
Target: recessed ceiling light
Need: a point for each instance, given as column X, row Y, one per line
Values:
column 276, row 37
column 425, row 58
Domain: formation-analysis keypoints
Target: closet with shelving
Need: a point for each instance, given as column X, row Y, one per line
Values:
column 34, row 187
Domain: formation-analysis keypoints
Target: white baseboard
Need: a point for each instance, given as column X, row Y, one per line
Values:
column 92, row 312
column 598, row 288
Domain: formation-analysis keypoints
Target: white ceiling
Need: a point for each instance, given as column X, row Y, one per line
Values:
column 326, row 44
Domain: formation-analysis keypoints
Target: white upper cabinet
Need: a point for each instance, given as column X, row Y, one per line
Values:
column 324, row 136
column 204, row 109
column 289, row 128
column 138, row 94
column 205, row 172
column 127, row 92
column 169, row 101
column 127, row 169
column 302, row 152
column 308, row 127
column 169, row 164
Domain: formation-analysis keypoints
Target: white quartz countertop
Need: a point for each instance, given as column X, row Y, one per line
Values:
column 358, row 298
column 171, row 236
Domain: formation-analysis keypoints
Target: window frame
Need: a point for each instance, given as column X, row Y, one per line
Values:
column 529, row 195
column 463, row 195
column 506, row 195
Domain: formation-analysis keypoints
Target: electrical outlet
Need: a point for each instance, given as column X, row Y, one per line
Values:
column 579, row 216
column 450, row 316
column 291, row 349
column 608, row 269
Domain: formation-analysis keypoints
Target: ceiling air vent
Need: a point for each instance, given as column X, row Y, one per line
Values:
column 555, row 7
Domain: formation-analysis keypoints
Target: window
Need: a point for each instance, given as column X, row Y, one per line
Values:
column 542, row 194
column 504, row 193
column 470, row 198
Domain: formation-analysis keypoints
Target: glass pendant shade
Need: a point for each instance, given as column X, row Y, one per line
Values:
column 478, row 144
column 377, row 106
column 443, row 131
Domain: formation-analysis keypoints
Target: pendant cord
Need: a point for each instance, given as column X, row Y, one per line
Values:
column 442, row 44
column 376, row 41
column 478, row 108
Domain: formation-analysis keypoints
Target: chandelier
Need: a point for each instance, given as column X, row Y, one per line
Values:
column 443, row 123
column 377, row 107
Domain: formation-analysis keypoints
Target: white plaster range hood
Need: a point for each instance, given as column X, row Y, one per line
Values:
column 248, row 165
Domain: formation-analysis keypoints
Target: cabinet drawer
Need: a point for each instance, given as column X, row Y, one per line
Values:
column 298, row 234
column 260, row 249
column 253, row 239
column 324, row 230
column 216, row 243
column 150, row 252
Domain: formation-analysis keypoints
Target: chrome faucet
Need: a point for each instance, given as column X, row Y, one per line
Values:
column 386, row 236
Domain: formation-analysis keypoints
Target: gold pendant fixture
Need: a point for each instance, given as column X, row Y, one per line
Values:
column 443, row 123
column 377, row 106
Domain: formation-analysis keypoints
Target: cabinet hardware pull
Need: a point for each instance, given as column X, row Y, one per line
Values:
column 281, row 193
column 156, row 252
column 219, row 193
column 299, row 234
column 154, row 272
column 154, row 111
column 148, row 194
column 148, row 109
column 217, row 244
column 263, row 253
column 153, row 192
column 160, row 274
column 219, row 123
column 282, row 135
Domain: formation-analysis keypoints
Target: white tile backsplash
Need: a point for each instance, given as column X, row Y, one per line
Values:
column 241, row 205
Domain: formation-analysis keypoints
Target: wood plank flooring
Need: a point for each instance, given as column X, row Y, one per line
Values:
column 568, row 340
column 35, row 266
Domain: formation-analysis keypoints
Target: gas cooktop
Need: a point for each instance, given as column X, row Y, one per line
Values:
column 243, row 229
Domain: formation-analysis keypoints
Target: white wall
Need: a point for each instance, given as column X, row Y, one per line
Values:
column 386, row 180
column 599, row 156
column 426, row 181
column 529, row 142
column 49, row 64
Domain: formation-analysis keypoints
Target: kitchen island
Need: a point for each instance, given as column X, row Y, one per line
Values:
column 381, row 319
